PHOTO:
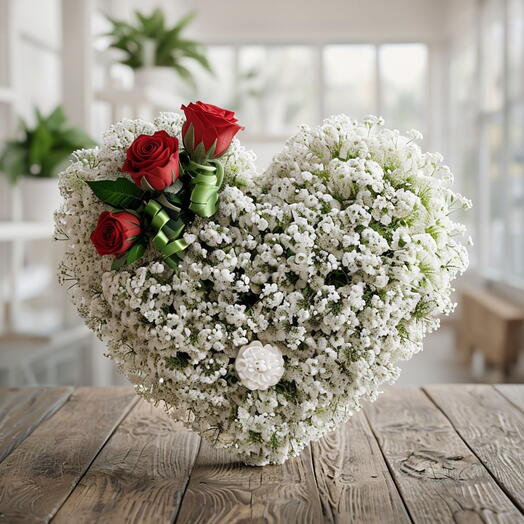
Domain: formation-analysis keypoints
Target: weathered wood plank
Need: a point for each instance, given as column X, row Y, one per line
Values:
column 439, row 478
column 491, row 426
column 513, row 392
column 222, row 489
column 139, row 476
column 353, row 479
column 41, row 472
column 23, row 409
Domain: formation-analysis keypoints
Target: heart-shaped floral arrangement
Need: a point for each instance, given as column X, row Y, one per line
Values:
column 262, row 309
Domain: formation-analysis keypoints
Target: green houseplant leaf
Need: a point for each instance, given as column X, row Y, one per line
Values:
column 44, row 149
column 14, row 160
column 56, row 119
column 120, row 193
column 170, row 49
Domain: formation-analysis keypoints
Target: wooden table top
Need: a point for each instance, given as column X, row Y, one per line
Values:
column 445, row 453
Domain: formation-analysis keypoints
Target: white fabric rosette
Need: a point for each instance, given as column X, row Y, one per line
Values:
column 259, row 366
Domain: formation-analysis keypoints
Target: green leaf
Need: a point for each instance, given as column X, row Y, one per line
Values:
column 184, row 21
column 152, row 25
column 135, row 252
column 54, row 162
column 119, row 262
column 120, row 193
column 41, row 143
column 171, row 203
column 13, row 160
column 201, row 58
column 76, row 139
column 47, row 145
column 170, row 48
column 185, row 74
column 175, row 187
column 56, row 119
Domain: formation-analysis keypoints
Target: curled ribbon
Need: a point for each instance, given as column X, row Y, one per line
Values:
column 206, row 183
column 168, row 238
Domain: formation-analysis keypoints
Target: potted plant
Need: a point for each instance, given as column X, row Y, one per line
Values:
column 157, row 53
column 36, row 158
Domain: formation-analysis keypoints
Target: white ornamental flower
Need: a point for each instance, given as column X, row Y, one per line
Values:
column 259, row 366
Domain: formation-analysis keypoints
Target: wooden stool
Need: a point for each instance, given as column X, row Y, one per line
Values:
column 492, row 325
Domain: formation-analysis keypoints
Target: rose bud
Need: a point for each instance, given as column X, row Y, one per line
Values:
column 115, row 233
column 152, row 161
column 209, row 125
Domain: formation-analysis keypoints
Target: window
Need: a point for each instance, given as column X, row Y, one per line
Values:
column 403, row 82
column 350, row 80
column 274, row 88
column 486, row 93
column 515, row 125
column 217, row 88
column 277, row 88
column 462, row 118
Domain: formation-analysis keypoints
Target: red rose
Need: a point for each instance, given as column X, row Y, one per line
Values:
column 115, row 233
column 210, row 125
column 152, row 161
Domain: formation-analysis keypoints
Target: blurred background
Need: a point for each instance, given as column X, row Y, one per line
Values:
column 452, row 69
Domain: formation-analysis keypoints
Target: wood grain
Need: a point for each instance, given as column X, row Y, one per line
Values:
column 222, row 489
column 439, row 454
column 139, row 476
column 492, row 427
column 353, row 479
column 23, row 409
column 42, row 471
column 513, row 392
column 439, row 478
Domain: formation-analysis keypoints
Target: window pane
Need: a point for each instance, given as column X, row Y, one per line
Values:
column 403, row 69
column 516, row 49
column 216, row 88
column 494, row 150
column 462, row 138
column 46, row 93
column 516, row 192
column 350, row 83
column 492, row 57
column 462, row 81
column 276, row 88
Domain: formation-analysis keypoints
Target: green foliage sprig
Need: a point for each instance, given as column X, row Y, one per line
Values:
column 170, row 48
column 44, row 149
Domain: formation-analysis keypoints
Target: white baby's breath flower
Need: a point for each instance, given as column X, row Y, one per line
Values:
column 340, row 257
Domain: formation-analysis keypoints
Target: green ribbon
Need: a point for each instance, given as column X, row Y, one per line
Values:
column 206, row 182
column 168, row 238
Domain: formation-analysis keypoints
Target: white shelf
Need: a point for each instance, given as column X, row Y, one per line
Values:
column 10, row 231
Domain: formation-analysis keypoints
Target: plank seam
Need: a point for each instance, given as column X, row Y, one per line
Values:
column 313, row 467
column 502, row 488
column 507, row 398
column 197, row 454
column 54, row 409
column 88, row 467
column 390, row 469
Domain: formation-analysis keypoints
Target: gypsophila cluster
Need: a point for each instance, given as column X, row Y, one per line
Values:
column 341, row 255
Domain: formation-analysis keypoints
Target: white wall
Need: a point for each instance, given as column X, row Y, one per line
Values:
column 306, row 20
column 459, row 15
